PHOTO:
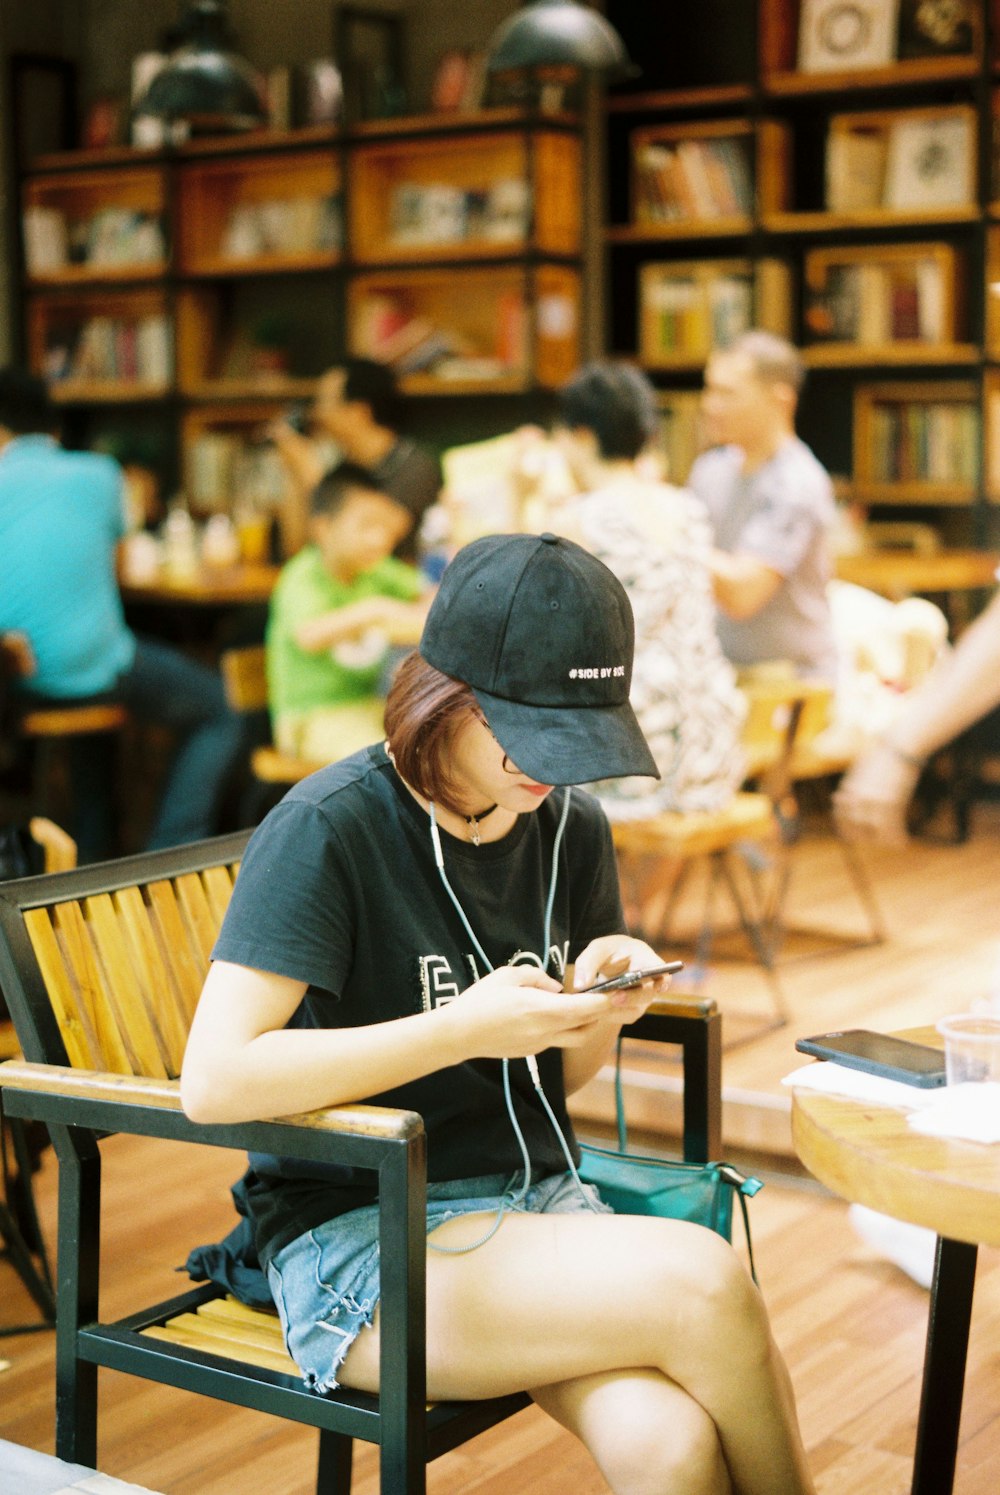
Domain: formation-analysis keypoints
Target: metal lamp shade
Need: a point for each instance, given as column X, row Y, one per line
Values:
column 209, row 86
column 204, row 81
column 554, row 33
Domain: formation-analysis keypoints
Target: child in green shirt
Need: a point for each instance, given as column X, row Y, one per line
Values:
column 338, row 607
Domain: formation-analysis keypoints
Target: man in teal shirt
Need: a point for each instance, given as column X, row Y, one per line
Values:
column 61, row 518
column 337, row 610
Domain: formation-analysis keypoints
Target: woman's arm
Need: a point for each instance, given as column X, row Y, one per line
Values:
column 873, row 797
column 243, row 1064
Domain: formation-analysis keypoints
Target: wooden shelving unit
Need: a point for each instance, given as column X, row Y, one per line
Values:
column 274, row 252
column 861, row 172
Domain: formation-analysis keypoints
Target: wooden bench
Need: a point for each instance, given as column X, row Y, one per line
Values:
column 102, row 969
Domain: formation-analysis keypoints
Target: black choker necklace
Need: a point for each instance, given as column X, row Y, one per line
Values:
column 472, row 821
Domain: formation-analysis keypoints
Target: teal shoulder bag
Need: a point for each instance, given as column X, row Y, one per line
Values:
column 636, row 1185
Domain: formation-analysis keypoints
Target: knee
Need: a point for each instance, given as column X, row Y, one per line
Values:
column 719, row 1292
column 683, row 1456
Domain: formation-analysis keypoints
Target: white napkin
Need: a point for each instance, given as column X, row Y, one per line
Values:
column 970, row 1111
column 857, row 1084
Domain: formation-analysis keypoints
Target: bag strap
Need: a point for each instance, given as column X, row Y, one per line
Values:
column 744, row 1185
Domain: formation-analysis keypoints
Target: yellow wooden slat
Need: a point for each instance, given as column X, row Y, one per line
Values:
column 197, row 913
column 138, row 1032
column 261, row 1337
column 73, row 1017
column 184, row 963
column 155, row 987
column 75, row 940
column 196, row 1340
column 218, row 885
column 230, row 1310
column 263, row 1334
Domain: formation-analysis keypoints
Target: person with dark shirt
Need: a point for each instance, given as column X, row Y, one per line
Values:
column 357, row 406
column 401, row 932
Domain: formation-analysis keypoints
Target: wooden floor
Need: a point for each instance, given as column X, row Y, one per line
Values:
column 941, row 909
column 851, row 1326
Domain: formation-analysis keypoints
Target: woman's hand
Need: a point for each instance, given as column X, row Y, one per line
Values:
column 518, row 1010
column 613, row 955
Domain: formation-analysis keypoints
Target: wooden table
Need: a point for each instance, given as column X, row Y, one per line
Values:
column 902, row 573
column 869, row 1155
column 207, row 587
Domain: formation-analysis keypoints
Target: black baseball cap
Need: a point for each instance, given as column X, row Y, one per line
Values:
column 543, row 634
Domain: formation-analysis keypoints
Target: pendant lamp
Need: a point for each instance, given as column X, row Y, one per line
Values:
column 204, row 82
column 557, row 33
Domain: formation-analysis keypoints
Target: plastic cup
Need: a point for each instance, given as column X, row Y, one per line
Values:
column 971, row 1048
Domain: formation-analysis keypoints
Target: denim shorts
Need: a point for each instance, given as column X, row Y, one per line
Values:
column 326, row 1282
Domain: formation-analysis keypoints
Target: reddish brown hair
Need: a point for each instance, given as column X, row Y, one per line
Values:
column 422, row 711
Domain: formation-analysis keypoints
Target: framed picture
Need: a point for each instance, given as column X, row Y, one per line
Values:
column 931, row 160
column 937, row 28
column 43, row 106
column 840, row 35
column 369, row 53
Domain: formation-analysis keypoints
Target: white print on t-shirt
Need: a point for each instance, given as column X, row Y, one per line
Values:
column 438, row 985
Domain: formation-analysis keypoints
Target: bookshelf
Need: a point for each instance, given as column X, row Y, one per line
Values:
column 871, row 236
column 214, row 283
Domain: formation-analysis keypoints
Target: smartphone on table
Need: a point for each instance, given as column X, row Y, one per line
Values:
column 879, row 1054
column 636, row 978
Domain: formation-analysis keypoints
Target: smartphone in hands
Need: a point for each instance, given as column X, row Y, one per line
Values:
column 879, row 1054
column 629, row 979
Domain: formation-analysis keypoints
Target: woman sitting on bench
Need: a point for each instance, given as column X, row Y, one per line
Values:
column 399, row 933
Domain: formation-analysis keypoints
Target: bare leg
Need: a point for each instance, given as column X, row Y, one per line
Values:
column 555, row 1299
column 646, row 1435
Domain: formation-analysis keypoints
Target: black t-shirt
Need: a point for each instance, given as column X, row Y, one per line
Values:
column 338, row 888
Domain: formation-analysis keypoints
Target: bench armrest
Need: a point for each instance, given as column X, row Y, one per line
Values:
column 152, row 1107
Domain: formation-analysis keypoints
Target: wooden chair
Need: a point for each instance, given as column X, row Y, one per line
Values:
column 785, row 722
column 102, row 969
column 21, row 1245
column 244, row 678
column 656, row 856
column 47, row 728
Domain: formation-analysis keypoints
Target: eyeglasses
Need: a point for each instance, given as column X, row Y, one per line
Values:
column 506, row 765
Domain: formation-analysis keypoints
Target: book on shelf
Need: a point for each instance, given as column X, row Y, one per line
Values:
column 220, row 465
column 283, row 225
column 119, row 236
column 855, row 168
column 925, row 443
column 390, row 328
column 881, row 301
column 910, row 161
column 930, row 162
column 690, row 313
column 694, row 179
column 681, row 436
column 104, row 349
column 436, row 213
column 993, row 441
column 842, row 35
column 111, row 236
column 46, row 239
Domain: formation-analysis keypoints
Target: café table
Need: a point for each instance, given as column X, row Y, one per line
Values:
column 904, row 573
column 208, row 586
column 868, row 1154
